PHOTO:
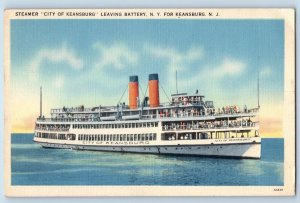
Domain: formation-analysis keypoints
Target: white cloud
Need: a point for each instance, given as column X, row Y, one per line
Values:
column 228, row 67
column 117, row 55
column 54, row 55
column 58, row 81
column 176, row 60
column 266, row 71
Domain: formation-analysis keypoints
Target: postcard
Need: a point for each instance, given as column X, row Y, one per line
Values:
column 149, row 102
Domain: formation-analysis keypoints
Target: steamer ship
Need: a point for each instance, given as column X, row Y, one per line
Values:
column 187, row 125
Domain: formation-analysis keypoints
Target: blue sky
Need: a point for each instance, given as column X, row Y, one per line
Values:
column 89, row 61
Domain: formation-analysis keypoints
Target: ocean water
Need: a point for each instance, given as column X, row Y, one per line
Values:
column 34, row 165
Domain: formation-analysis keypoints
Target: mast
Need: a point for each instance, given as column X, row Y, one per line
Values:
column 41, row 100
column 258, row 91
column 176, row 83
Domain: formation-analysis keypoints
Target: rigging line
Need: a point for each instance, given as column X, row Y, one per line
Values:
column 141, row 89
column 123, row 94
column 165, row 93
column 146, row 90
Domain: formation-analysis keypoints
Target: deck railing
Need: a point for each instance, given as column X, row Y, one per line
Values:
column 206, row 126
column 161, row 115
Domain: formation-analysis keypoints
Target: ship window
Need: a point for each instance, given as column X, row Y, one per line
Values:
column 154, row 136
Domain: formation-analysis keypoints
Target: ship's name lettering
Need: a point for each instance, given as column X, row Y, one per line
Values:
column 117, row 143
column 232, row 140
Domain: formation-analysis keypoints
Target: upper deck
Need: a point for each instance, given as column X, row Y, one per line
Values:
column 181, row 106
column 163, row 113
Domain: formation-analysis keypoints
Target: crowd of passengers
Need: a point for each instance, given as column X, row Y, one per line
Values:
column 202, row 112
column 207, row 125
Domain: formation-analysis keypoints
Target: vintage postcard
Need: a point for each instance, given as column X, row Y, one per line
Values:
column 149, row 102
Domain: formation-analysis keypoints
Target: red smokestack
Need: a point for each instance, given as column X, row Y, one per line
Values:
column 133, row 91
column 153, row 90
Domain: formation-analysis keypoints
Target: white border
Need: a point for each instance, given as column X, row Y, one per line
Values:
column 289, row 120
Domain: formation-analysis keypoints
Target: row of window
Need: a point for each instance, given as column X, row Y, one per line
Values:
column 56, row 136
column 118, row 125
column 118, row 137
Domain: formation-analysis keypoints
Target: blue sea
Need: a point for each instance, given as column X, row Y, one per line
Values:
column 34, row 165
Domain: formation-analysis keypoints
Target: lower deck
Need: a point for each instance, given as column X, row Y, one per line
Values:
column 234, row 150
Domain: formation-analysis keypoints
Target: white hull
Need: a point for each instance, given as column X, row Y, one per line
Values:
column 234, row 150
